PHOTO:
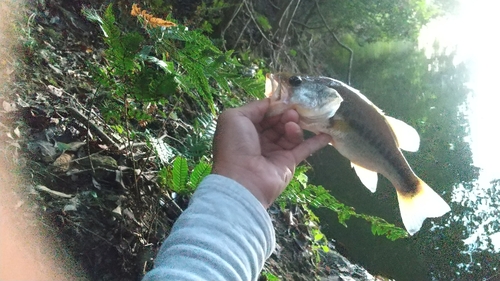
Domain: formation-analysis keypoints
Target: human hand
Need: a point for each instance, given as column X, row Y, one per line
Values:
column 260, row 152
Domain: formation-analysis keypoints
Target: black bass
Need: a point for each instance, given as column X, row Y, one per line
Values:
column 362, row 133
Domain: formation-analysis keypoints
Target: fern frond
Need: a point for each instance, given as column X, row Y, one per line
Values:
column 201, row 170
column 179, row 174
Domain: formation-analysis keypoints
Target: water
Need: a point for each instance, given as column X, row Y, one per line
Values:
column 433, row 94
column 438, row 251
column 448, row 92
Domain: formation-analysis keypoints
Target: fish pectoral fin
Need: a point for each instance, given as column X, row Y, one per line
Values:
column 425, row 203
column 406, row 136
column 368, row 178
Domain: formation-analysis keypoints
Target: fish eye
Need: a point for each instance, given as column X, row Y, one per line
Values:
column 295, row 81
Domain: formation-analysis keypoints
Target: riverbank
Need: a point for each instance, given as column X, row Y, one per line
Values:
column 91, row 211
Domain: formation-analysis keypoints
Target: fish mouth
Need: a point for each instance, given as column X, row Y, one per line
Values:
column 278, row 93
column 273, row 87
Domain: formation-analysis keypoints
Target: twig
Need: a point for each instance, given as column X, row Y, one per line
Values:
column 242, row 31
column 351, row 53
column 256, row 23
column 307, row 26
column 53, row 192
column 88, row 128
column 272, row 4
column 228, row 24
column 131, row 148
column 284, row 14
column 291, row 18
column 287, row 28
column 80, row 117
column 91, row 232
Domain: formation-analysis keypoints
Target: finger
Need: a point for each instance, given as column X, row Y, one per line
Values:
column 269, row 122
column 272, row 134
column 289, row 140
column 309, row 146
column 293, row 133
column 290, row 116
column 255, row 111
column 286, row 135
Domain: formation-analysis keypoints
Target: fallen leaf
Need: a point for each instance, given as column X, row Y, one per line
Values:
column 96, row 183
column 69, row 207
column 62, row 163
column 118, row 210
column 55, row 91
column 17, row 132
column 15, row 144
column 22, row 103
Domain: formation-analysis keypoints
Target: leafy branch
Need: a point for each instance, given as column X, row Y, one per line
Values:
column 300, row 192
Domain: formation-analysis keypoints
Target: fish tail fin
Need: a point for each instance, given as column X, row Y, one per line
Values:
column 422, row 204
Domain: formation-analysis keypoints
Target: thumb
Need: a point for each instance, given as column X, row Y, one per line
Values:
column 256, row 110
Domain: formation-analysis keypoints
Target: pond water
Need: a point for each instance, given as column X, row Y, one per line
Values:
column 455, row 112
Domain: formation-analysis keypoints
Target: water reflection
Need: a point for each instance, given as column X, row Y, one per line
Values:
column 482, row 224
column 431, row 94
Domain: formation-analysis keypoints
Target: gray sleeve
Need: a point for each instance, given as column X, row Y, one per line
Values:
column 224, row 234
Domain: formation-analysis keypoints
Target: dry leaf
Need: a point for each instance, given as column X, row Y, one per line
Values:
column 17, row 132
column 22, row 103
column 55, row 91
column 62, row 163
column 150, row 19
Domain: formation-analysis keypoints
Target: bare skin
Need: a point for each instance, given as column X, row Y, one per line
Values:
column 261, row 153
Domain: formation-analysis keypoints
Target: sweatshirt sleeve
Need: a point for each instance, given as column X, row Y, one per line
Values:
column 224, row 234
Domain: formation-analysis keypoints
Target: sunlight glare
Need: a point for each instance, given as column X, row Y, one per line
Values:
column 472, row 34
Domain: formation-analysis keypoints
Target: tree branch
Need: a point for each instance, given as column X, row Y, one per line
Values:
column 351, row 53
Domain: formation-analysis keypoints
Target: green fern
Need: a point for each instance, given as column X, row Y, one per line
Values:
column 179, row 179
column 200, row 171
column 199, row 140
column 300, row 192
column 179, row 174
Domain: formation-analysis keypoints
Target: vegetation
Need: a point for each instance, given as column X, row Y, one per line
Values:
column 162, row 80
column 165, row 71
column 191, row 70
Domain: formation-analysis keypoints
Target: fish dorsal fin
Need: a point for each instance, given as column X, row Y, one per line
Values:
column 406, row 136
column 367, row 177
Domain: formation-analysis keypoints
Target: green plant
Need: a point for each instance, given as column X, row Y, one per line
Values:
column 167, row 66
column 268, row 276
column 263, row 22
column 209, row 14
column 318, row 242
column 300, row 192
column 178, row 178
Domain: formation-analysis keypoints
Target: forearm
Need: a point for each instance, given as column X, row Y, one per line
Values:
column 224, row 234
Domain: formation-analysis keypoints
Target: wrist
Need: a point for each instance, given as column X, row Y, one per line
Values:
column 246, row 178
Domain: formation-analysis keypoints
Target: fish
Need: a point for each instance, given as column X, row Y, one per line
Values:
column 361, row 132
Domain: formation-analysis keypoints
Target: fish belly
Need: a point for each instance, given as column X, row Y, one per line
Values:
column 374, row 155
